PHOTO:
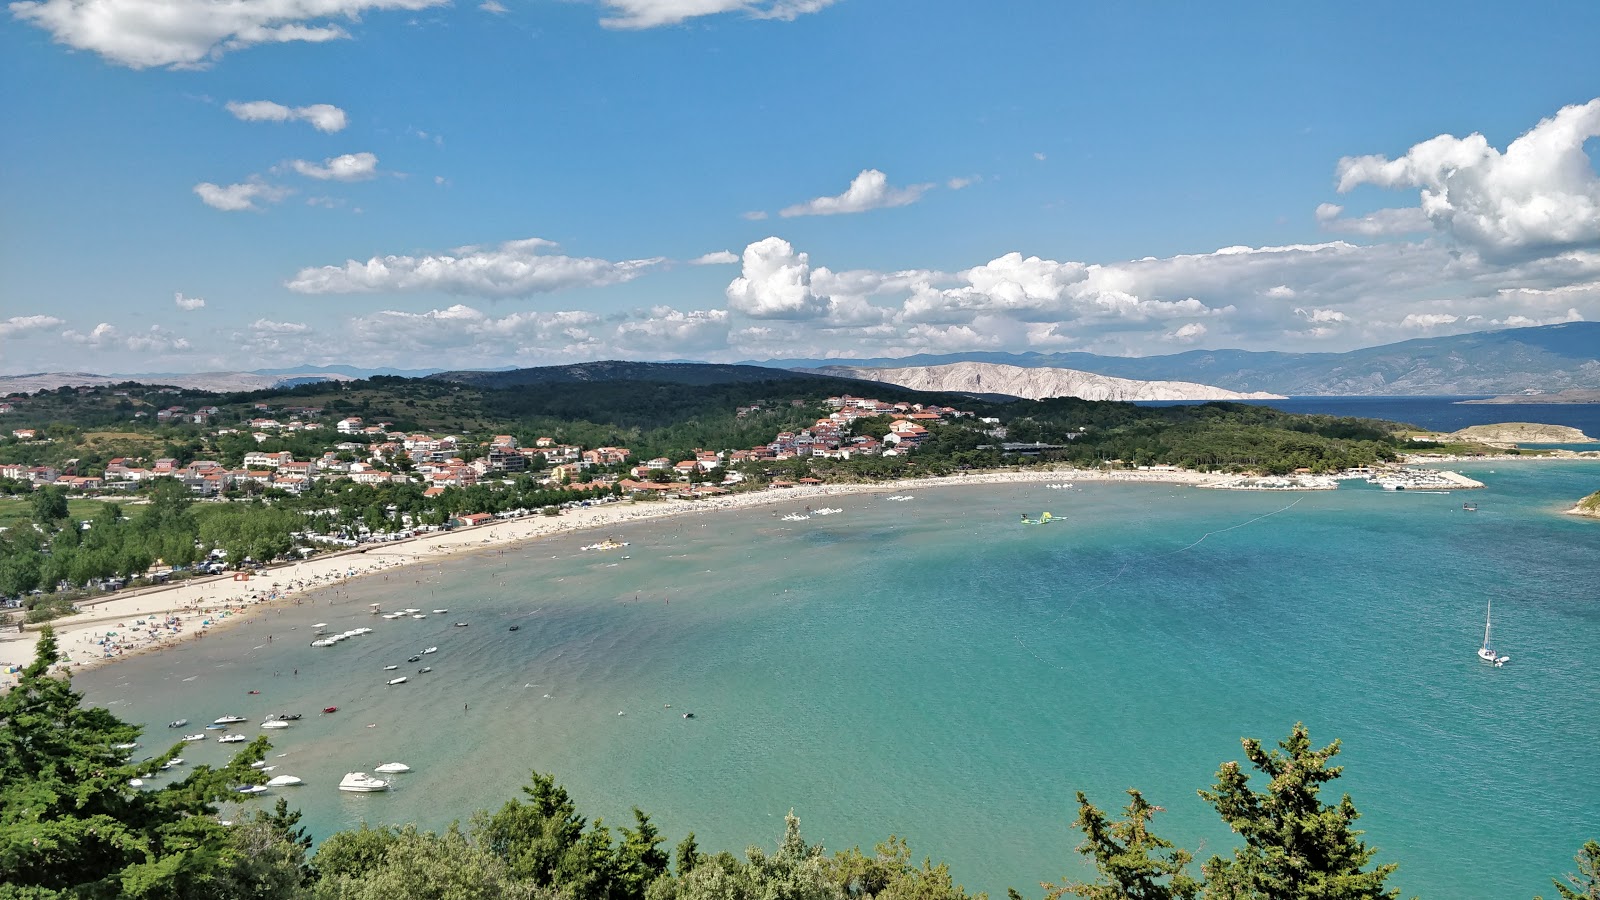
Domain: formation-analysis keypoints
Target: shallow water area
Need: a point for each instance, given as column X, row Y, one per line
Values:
column 934, row 669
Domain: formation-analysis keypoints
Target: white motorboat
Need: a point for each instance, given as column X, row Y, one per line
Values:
column 228, row 720
column 412, row 609
column 419, row 616
column 1486, row 652
column 390, row 668
column 259, row 764
column 431, row 650
column 250, row 789
column 284, row 781
column 440, row 612
column 322, row 642
column 178, row 724
column 392, row 768
column 362, row 783
column 232, row 739
column 275, row 723
column 171, row 763
column 128, row 746
column 400, row 680
column 191, row 738
column 136, row 782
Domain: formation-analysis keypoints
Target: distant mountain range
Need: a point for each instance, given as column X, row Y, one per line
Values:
column 1548, row 358
column 1038, row 383
column 620, row 370
column 1544, row 358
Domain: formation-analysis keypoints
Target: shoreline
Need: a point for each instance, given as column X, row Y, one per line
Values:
column 155, row 618
column 152, row 619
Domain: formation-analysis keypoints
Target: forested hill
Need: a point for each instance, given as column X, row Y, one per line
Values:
column 622, row 370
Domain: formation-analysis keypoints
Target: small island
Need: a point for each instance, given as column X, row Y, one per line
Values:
column 1574, row 395
column 1511, row 433
column 1588, row 507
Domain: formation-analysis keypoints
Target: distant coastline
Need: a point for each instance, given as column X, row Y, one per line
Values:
column 1560, row 397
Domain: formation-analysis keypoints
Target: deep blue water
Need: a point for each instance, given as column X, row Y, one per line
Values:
column 1444, row 413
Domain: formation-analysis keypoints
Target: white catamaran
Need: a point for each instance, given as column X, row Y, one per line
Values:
column 1486, row 653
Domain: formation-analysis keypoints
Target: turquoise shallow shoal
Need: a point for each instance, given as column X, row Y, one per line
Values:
column 933, row 669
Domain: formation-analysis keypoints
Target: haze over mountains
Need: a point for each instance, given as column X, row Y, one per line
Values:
column 1039, row 383
column 1547, row 358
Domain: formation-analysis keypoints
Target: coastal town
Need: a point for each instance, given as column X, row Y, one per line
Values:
column 374, row 453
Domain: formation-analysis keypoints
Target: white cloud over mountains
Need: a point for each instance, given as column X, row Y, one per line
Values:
column 639, row 14
column 194, row 33
column 867, row 191
column 1540, row 196
column 323, row 117
column 512, row 269
column 17, row 325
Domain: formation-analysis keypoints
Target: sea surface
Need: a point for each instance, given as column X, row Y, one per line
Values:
column 1445, row 413
column 933, row 669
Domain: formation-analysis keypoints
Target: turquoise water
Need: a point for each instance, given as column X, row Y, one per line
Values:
column 932, row 669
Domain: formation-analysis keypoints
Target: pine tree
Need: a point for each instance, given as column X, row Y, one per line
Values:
column 1296, row 847
column 1133, row 863
column 70, row 821
column 1585, row 883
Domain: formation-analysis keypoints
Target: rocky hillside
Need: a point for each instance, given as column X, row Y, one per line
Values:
column 1543, row 358
column 1522, row 433
column 1036, row 383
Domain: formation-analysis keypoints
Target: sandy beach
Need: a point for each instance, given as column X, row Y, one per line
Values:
column 152, row 618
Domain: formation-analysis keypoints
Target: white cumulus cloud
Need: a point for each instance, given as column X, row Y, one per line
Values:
column 193, row 33
column 1539, row 196
column 637, row 14
column 323, row 117
column 349, row 167
column 867, row 191
column 242, row 196
column 775, row 283
column 512, row 269
column 108, row 336
column 188, row 304
column 715, row 258
column 22, row 324
column 1187, row 334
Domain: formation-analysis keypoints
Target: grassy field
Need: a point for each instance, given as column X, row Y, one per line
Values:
column 18, row 510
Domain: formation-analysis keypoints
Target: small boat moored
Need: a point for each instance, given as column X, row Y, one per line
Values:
column 330, row 709
column 274, row 723
column 227, row 720
column 178, row 724
column 232, row 739
column 191, row 738
column 400, row 680
column 362, row 783
column 392, row 768
column 250, row 789
column 284, row 781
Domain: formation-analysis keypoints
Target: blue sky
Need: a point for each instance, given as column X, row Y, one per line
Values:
column 415, row 183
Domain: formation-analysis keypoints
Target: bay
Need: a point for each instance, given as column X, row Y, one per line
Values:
column 932, row 669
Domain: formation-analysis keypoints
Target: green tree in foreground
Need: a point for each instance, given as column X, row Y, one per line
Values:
column 1585, row 883
column 1295, row 846
column 1133, row 863
column 72, row 825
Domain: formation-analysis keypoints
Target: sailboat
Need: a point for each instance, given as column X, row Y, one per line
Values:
column 1486, row 653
